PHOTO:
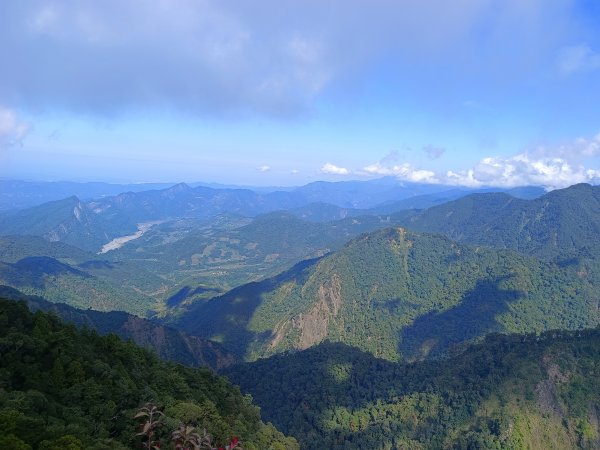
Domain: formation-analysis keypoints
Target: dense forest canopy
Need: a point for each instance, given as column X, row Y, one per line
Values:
column 64, row 388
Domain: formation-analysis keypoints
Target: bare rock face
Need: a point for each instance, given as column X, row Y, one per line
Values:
column 174, row 345
column 314, row 324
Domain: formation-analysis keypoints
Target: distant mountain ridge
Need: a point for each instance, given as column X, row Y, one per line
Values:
column 561, row 224
column 69, row 220
column 91, row 223
column 18, row 194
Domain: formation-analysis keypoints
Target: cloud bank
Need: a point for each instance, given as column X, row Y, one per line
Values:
column 404, row 171
column 550, row 167
column 262, row 57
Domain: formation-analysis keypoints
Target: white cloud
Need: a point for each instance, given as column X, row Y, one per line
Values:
column 550, row 167
column 404, row 171
column 263, row 168
column 294, row 171
column 331, row 169
column 434, row 152
column 574, row 151
column 523, row 170
column 577, row 58
column 12, row 129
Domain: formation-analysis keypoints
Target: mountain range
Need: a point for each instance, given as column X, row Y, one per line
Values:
column 89, row 224
column 562, row 224
column 359, row 315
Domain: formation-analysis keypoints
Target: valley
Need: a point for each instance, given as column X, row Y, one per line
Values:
column 117, row 243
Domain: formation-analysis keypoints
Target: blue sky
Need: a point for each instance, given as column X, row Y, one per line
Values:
column 266, row 92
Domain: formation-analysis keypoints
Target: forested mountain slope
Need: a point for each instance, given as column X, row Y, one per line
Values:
column 220, row 256
column 63, row 388
column 69, row 220
column 397, row 294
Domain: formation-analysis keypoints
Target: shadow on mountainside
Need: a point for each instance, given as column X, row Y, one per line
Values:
column 187, row 293
column 434, row 333
column 225, row 319
column 33, row 271
column 97, row 265
column 336, row 396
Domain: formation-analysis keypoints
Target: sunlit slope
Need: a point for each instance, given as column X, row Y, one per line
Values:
column 397, row 294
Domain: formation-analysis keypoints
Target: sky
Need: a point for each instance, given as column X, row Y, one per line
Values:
column 274, row 92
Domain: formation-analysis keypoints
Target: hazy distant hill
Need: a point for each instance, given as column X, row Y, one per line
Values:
column 69, row 220
column 16, row 247
column 17, row 194
column 509, row 392
column 438, row 198
column 90, row 224
column 184, row 201
column 394, row 292
column 364, row 194
column 324, row 211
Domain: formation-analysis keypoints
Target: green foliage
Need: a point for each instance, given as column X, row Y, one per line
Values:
column 204, row 259
column 67, row 442
column 12, row 442
column 70, row 389
column 509, row 391
column 181, row 261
